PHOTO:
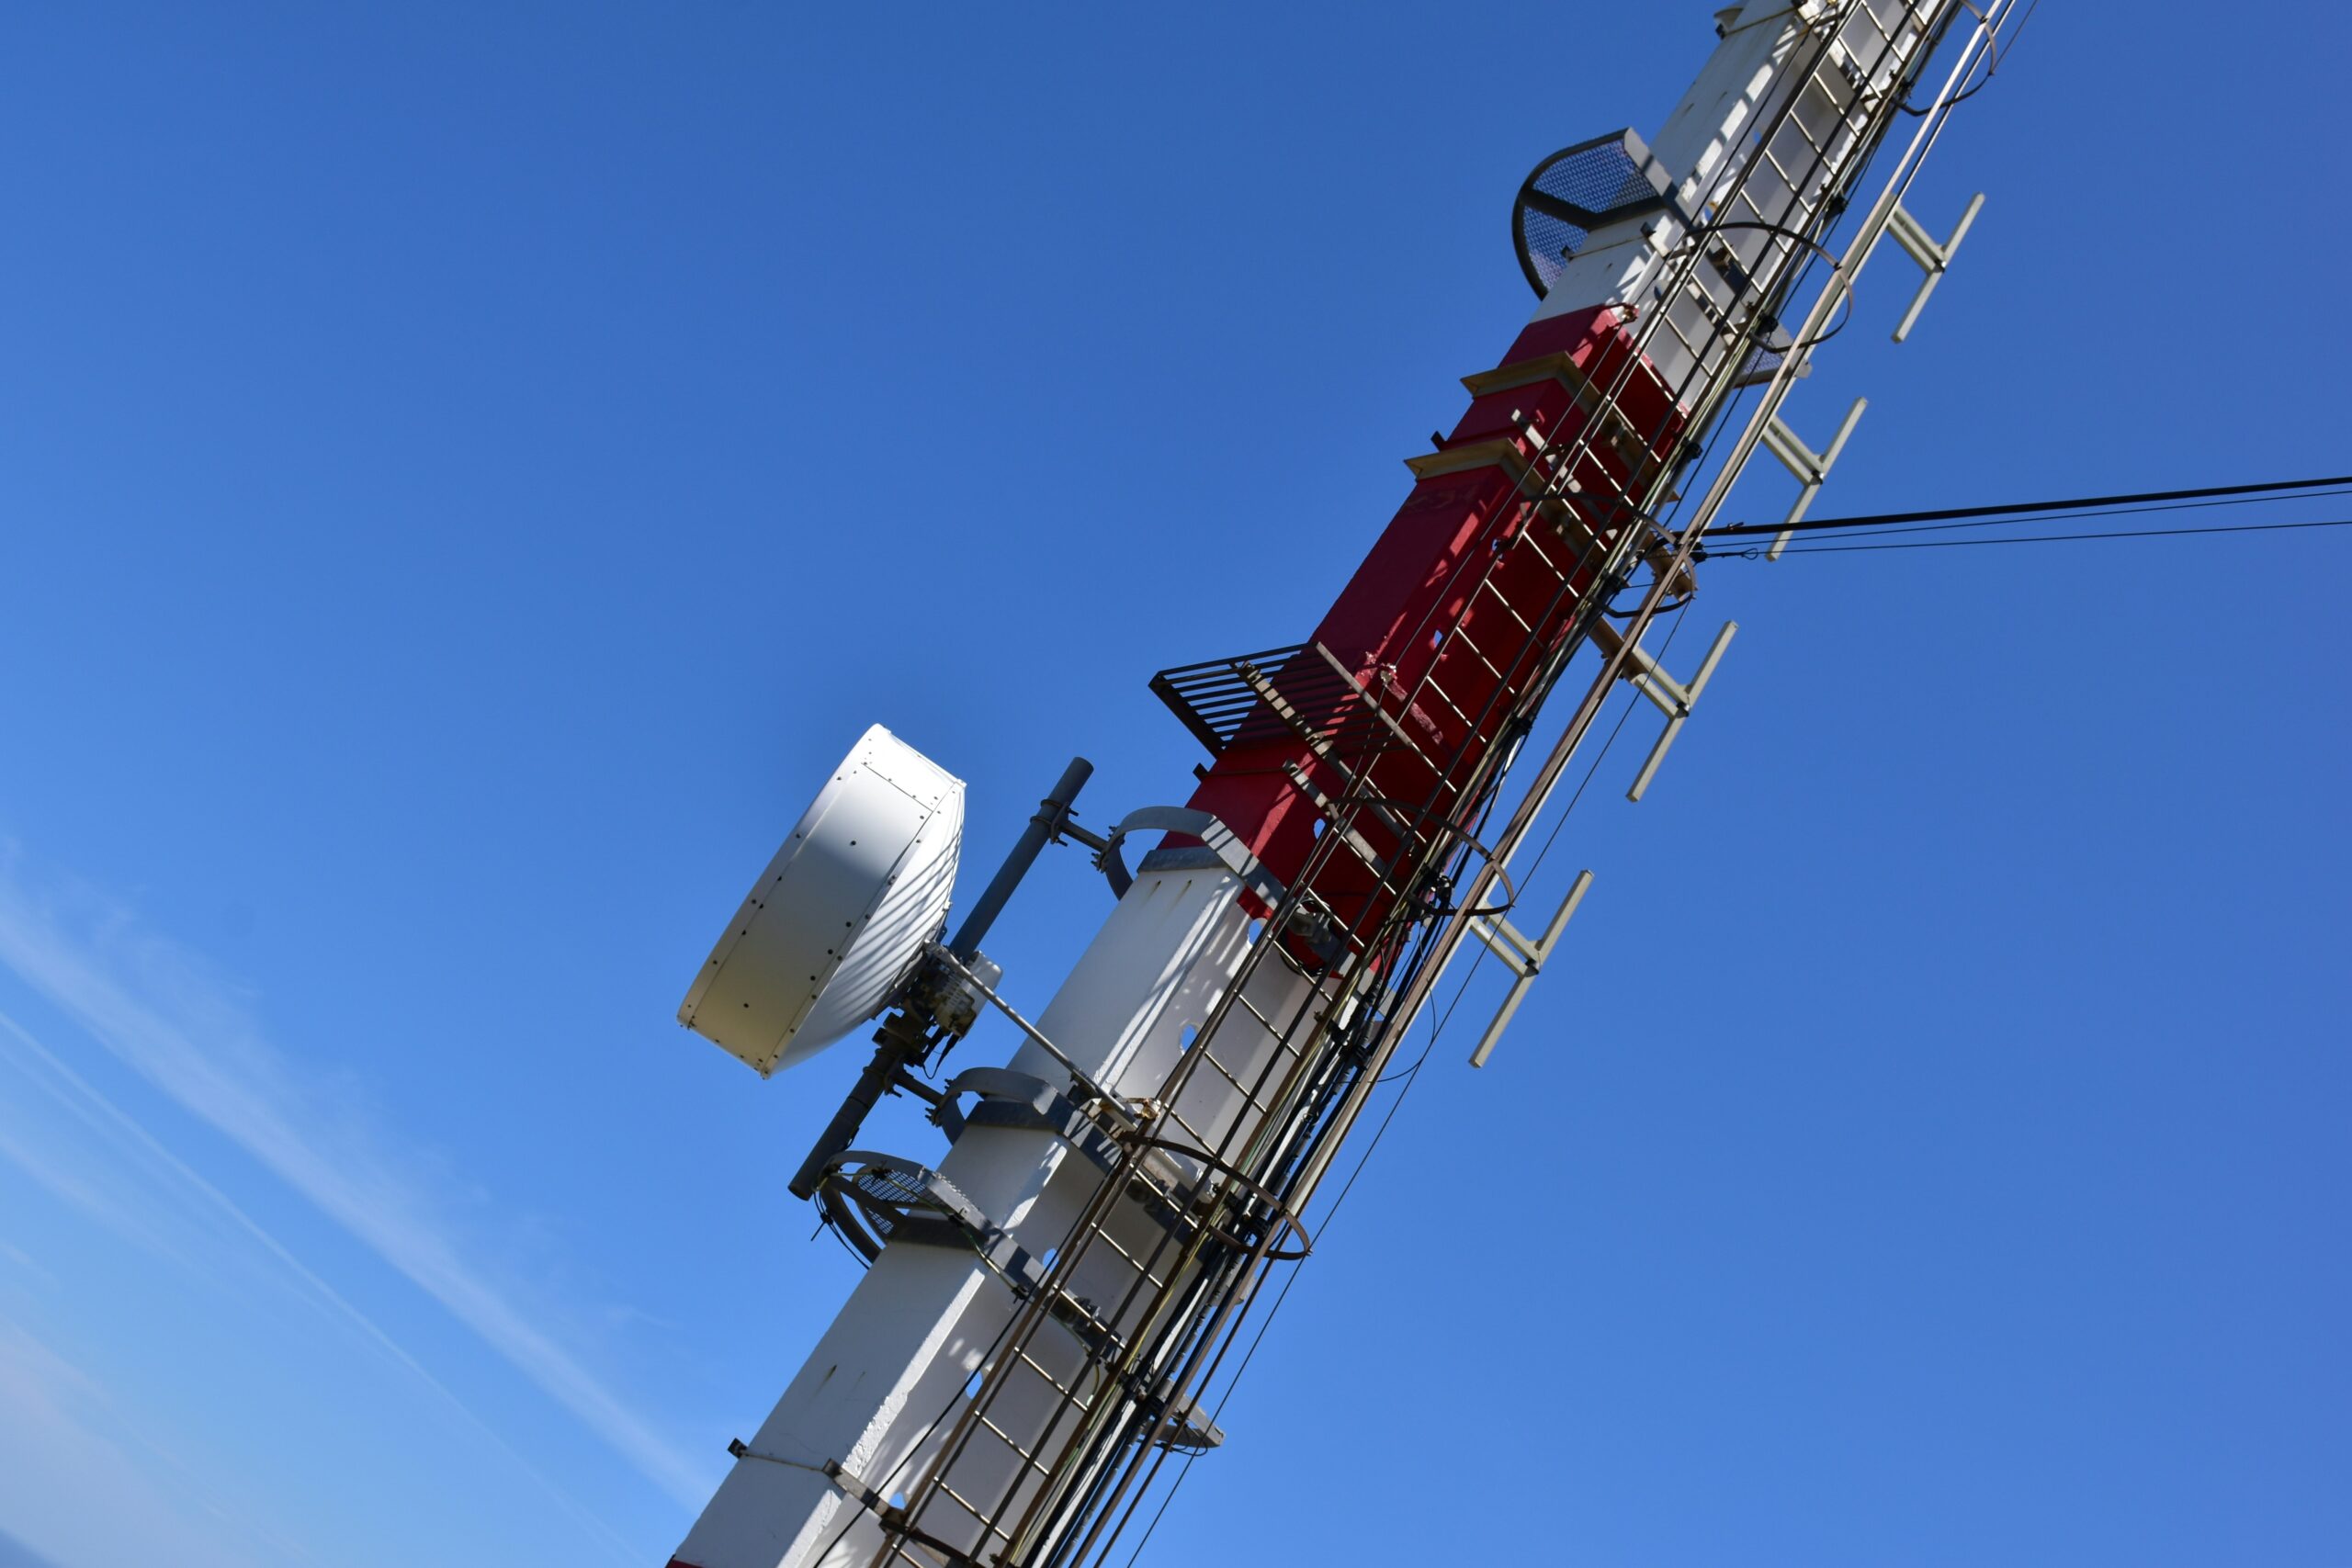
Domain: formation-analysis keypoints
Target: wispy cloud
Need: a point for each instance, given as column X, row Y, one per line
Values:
column 73, row 1188
column 129, row 1147
column 15, row 1553
column 71, row 1488
column 21, row 1262
column 161, row 1009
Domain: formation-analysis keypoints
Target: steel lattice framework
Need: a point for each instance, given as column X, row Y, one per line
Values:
column 1242, row 1195
column 1367, row 808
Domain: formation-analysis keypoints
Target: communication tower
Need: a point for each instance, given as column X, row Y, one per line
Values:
column 1046, row 1301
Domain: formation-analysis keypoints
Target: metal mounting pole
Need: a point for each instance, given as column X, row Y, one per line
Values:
column 898, row 1041
column 1050, row 821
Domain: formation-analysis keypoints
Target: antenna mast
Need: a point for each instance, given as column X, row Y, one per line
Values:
column 1046, row 1307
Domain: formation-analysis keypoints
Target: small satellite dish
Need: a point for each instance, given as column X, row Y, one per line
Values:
column 842, row 913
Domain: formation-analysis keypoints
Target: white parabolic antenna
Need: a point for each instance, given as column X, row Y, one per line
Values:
column 842, row 913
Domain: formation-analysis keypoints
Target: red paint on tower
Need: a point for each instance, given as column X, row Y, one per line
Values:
column 1449, row 618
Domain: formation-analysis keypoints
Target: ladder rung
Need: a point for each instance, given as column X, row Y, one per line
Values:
column 1429, row 684
column 1796, row 119
column 1355, row 843
column 1273, row 1030
column 1371, row 703
column 1525, row 538
column 1199, row 1137
column 1476, row 730
column 1461, row 633
column 1050, row 1380
column 1526, row 628
column 986, row 1521
column 1224, row 1073
column 1006, row 1438
column 1241, row 1000
column 1131, row 1261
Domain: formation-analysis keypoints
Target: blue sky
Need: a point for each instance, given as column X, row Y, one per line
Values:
column 470, row 470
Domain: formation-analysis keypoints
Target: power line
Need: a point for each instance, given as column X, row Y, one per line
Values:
column 1880, row 532
column 1756, row 554
column 2144, row 500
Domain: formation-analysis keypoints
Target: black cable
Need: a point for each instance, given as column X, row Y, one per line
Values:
column 2018, row 508
column 2109, row 512
column 1408, row 1076
column 1999, row 58
column 1757, row 554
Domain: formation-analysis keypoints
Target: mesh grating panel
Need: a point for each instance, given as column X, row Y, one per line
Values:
column 1547, row 244
column 1224, row 701
column 1575, row 191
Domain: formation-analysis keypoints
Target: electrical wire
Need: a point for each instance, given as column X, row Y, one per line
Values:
column 2119, row 510
column 1880, row 532
column 1877, row 527
column 2148, row 501
column 2000, row 57
column 1757, row 553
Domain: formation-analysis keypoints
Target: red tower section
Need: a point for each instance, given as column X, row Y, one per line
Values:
column 1413, row 673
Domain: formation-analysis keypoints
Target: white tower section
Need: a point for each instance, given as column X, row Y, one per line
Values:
column 1743, row 87
column 884, row 1380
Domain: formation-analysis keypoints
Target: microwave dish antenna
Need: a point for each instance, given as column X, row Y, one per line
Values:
column 840, row 916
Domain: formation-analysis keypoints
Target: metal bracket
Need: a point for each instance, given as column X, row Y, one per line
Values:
column 1223, row 843
column 1079, row 1075
column 1528, row 957
column 877, row 1198
column 1810, row 467
column 1934, row 259
column 1647, row 676
column 1007, row 1099
column 854, row 1487
column 833, row 1469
